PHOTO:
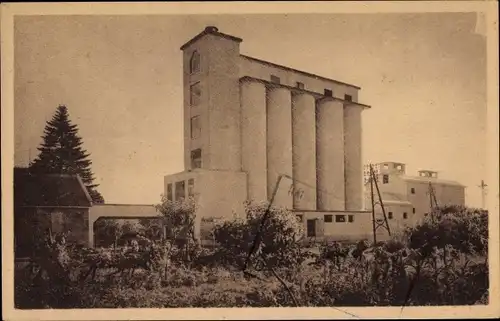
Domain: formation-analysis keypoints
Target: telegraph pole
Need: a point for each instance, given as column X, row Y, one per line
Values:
column 376, row 225
column 483, row 193
column 373, row 208
column 432, row 200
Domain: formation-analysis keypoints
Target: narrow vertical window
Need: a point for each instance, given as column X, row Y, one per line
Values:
column 195, row 127
column 194, row 63
column 390, row 216
column 196, row 158
column 169, row 192
column 385, row 179
column 195, row 94
column 191, row 187
column 180, row 193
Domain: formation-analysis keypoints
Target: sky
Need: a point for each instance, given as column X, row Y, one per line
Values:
column 424, row 74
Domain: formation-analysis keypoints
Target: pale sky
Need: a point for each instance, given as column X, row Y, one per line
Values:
column 120, row 77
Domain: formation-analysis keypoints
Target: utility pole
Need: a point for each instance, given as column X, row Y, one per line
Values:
column 376, row 225
column 483, row 193
column 432, row 200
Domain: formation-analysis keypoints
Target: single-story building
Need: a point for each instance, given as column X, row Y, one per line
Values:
column 61, row 203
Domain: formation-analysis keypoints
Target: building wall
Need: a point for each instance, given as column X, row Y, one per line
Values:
column 253, row 138
column 360, row 228
column 218, row 194
column 304, row 149
column 395, row 217
column 399, row 188
column 445, row 195
column 261, row 70
column 219, row 108
column 330, row 150
column 31, row 225
column 279, row 140
column 353, row 165
column 117, row 210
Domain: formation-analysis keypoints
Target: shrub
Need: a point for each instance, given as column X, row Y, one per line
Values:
column 279, row 234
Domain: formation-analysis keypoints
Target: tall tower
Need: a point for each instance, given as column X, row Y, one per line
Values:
column 211, row 101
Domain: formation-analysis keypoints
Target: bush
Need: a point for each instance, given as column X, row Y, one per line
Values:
column 279, row 236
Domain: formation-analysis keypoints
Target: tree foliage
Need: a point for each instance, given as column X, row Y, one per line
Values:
column 179, row 222
column 278, row 234
column 61, row 152
column 464, row 229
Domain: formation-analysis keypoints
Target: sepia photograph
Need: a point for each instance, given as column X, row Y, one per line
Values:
column 182, row 159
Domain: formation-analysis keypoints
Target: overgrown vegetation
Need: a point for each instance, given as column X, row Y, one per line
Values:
column 439, row 262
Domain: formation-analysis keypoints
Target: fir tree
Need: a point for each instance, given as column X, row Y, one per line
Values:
column 61, row 152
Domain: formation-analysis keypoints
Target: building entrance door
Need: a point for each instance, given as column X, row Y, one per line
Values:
column 311, row 228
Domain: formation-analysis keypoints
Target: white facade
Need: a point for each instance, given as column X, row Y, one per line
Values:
column 407, row 199
column 255, row 121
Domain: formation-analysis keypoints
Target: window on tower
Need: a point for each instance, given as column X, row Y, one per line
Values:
column 195, row 127
column 196, row 158
column 194, row 63
column 195, row 94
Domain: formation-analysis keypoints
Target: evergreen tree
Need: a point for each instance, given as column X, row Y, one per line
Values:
column 61, row 152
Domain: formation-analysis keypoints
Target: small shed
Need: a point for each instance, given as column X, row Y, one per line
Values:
column 43, row 202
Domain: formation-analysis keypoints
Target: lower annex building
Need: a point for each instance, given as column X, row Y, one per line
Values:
column 407, row 199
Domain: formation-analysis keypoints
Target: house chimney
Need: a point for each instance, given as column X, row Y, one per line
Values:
column 211, row 29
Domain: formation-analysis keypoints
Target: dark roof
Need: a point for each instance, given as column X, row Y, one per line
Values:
column 58, row 190
column 212, row 31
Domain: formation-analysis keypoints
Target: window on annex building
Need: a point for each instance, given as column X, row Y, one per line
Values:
column 390, row 216
column 414, row 210
column 328, row 92
column 385, row 179
column 195, row 127
column 299, row 218
column 196, row 158
column 347, row 97
column 328, row 218
column 169, row 192
column 300, row 85
column 191, row 187
column 195, row 94
column 405, row 215
column 412, row 190
column 180, row 193
column 194, row 63
column 340, row 218
column 350, row 218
